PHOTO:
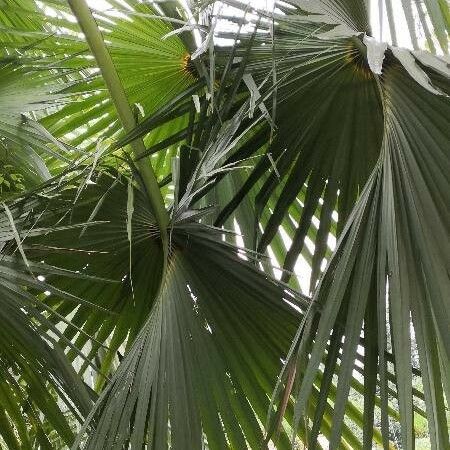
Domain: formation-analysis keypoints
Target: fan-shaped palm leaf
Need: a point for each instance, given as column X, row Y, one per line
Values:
column 391, row 260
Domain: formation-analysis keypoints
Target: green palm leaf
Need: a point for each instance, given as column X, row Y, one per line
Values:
column 204, row 361
column 396, row 235
column 25, row 91
column 39, row 388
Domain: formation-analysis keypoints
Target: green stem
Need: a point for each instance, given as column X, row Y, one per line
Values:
column 97, row 45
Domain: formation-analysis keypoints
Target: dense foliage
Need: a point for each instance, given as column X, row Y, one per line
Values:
column 242, row 245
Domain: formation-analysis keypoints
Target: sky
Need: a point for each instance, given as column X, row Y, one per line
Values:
column 401, row 26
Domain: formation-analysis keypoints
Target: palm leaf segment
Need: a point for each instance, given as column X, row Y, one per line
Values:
column 160, row 74
column 427, row 18
column 24, row 144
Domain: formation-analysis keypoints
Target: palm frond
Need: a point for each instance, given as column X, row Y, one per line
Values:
column 203, row 364
column 39, row 388
column 389, row 270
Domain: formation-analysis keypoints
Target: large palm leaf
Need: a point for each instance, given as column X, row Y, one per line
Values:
column 204, row 362
column 391, row 239
column 373, row 246
column 53, row 41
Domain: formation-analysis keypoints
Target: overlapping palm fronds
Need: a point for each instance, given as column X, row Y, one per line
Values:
column 301, row 132
column 40, row 390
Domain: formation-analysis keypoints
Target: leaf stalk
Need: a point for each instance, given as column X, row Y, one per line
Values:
column 105, row 63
